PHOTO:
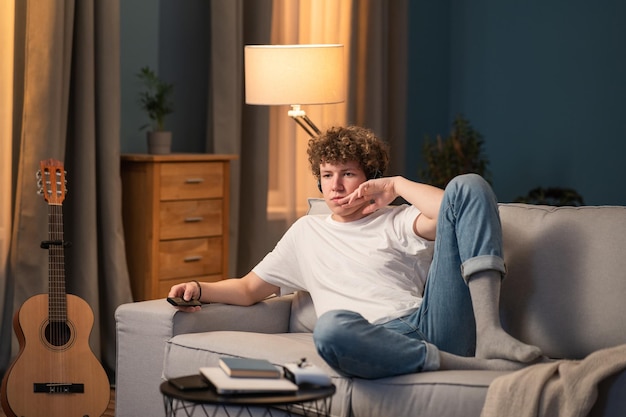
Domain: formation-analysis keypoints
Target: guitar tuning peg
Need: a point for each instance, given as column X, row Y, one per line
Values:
column 38, row 175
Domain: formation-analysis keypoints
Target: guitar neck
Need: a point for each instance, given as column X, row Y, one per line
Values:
column 57, row 304
column 51, row 183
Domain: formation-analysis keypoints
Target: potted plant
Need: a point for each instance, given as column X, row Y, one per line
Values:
column 156, row 101
column 552, row 196
column 460, row 153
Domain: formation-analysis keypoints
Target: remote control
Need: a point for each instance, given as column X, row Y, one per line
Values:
column 179, row 302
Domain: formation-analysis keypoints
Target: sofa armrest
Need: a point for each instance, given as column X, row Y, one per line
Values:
column 269, row 316
column 144, row 327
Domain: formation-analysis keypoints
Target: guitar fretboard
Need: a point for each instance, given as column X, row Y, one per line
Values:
column 57, row 304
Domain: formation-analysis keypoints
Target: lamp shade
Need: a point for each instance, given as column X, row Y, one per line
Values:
column 294, row 74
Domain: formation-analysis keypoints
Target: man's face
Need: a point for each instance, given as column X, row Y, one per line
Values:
column 338, row 181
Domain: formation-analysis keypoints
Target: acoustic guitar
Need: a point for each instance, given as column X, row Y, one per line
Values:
column 55, row 372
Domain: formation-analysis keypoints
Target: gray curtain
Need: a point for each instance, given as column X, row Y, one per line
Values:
column 377, row 93
column 376, row 99
column 239, row 129
column 67, row 101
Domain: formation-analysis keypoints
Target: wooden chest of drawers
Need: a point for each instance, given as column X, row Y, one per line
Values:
column 175, row 210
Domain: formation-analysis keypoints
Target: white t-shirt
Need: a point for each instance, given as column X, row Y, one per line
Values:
column 376, row 266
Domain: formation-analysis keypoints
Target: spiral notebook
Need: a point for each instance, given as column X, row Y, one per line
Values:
column 225, row 384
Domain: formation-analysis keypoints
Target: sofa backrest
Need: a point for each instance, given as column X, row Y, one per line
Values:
column 565, row 289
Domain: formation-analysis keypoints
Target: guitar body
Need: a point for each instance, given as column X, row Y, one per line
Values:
column 55, row 373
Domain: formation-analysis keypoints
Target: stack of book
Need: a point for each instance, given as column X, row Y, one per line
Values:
column 247, row 376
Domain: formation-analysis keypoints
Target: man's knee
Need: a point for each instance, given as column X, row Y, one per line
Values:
column 337, row 329
column 470, row 187
column 333, row 325
column 473, row 181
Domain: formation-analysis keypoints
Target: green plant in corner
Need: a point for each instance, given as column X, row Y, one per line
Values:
column 552, row 196
column 156, row 99
column 460, row 153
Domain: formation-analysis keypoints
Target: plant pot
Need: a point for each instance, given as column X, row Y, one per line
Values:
column 159, row 142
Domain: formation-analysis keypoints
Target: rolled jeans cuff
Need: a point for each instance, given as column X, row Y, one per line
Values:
column 431, row 362
column 482, row 263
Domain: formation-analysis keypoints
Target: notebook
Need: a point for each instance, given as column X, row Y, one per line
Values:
column 224, row 384
column 249, row 368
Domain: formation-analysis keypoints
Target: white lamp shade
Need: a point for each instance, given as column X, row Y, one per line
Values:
column 294, row 74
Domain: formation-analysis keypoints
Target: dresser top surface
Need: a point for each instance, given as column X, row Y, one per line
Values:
column 178, row 157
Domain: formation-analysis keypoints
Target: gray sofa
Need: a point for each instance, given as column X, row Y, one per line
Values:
column 565, row 292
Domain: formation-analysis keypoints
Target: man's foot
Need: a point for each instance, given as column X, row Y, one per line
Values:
column 497, row 344
column 448, row 361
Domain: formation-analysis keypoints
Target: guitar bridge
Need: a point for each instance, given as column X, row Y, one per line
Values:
column 58, row 388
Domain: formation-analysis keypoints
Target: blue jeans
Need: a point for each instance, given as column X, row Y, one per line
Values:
column 469, row 240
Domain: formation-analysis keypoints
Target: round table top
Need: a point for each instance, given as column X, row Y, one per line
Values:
column 209, row 396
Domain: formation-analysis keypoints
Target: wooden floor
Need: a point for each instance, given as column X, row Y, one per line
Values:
column 110, row 411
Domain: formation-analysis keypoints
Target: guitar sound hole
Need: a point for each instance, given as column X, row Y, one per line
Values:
column 58, row 333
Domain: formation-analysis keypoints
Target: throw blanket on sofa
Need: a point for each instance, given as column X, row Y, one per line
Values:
column 562, row 388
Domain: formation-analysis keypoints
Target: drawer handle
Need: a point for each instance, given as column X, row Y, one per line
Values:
column 193, row 219
column 193, row 258
column 194, row 180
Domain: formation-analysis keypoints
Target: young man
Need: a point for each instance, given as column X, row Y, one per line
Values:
column 398, row 289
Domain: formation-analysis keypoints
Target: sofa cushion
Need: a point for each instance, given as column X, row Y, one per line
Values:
column 303, row 317
column 427, row 394
column 565, row 285
column 317, row 206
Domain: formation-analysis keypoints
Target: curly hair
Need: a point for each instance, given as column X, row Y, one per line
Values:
column 350, row 143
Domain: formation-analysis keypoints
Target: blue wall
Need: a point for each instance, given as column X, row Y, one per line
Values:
column 139, row 47
column 543, row 81
column 184, row 61
column 172, row 37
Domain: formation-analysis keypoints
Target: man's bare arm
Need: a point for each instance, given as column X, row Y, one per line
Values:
column 238, row 291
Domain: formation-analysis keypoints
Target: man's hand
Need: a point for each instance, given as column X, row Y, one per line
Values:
column 371, row 194
column 187, row 291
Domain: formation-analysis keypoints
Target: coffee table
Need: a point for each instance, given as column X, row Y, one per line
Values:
column 307, row 401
